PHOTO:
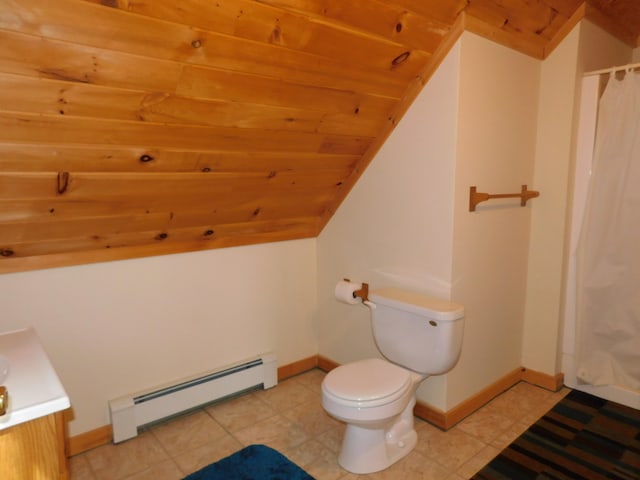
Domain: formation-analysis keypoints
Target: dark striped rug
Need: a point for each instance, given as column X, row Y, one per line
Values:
column 582, row 437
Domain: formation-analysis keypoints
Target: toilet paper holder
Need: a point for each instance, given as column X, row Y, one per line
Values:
column 363, row 293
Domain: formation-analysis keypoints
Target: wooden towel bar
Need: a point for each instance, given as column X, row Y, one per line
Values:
column 476, row 197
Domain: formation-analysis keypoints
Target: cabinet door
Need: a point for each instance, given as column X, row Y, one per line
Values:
column 32, row 450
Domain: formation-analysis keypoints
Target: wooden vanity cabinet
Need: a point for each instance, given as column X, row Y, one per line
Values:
column 34, row 450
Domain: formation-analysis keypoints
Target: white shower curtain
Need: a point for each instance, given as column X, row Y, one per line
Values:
column 608, row 286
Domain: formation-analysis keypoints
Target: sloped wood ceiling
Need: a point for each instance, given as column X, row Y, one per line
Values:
column 141, row 127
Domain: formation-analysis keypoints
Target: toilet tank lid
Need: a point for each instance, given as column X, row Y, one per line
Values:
column 418, row 303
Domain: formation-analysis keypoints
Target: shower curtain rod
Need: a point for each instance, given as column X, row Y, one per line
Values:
column 631, row 66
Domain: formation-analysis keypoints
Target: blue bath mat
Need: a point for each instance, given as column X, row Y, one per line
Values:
column 255, row 462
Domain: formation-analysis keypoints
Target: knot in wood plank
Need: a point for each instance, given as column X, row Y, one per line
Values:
column 400, row 59
column 62, row 182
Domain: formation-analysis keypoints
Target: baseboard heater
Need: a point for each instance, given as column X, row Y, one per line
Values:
column 142, row 408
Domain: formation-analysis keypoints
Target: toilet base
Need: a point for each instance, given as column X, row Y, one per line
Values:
column 368, row 450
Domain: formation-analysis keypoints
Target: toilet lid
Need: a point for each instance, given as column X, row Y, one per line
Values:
column 370, row 380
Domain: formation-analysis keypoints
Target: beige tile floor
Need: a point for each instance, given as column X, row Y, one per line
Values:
column 290, row 419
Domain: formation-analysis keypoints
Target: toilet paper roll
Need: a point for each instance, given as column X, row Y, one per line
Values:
column 344, row 292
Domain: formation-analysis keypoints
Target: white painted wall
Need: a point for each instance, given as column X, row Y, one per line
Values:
column 599, row 49
column 552, row 167
column 395, row 227
column 119, row 327
column 496, row 148
column 586, row 48
column 406, row 222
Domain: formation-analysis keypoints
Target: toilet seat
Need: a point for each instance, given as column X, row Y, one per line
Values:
column 367, row 383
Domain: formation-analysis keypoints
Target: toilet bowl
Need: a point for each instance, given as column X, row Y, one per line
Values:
column 375, row 399
column 419, row 336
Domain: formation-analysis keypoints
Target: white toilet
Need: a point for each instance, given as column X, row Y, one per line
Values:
column 420, row 336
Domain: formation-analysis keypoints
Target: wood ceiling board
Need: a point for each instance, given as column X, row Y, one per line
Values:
column 123, row 120
column 18, row 157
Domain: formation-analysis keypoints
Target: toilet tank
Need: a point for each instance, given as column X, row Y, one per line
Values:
column 417, row 331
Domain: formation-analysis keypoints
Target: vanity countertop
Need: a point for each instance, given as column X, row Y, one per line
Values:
column 33, row 385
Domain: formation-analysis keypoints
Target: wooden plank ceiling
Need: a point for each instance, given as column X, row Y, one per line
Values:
column 141, row 127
